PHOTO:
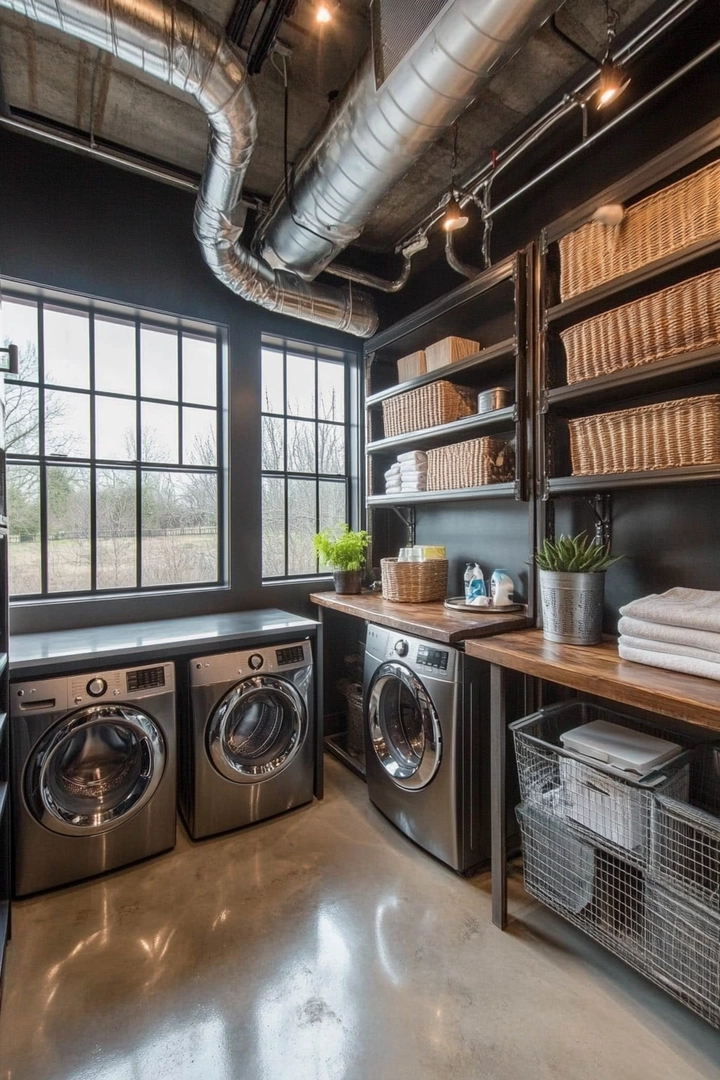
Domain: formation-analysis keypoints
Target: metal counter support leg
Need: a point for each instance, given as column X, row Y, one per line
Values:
column 498, row 744
column 319, row 711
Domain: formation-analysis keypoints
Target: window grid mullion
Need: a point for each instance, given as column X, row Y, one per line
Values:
column 317, row 455
column 138, row 458
column 41, row 446
column 93, row 467
column 285, row 464
column 181, row 446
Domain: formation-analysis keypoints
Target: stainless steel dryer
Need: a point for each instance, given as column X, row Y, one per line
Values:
column 94, row 773
column 427, row 744
column 252, row 741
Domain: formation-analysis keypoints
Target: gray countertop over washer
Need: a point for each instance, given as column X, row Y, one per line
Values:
column 161, row 639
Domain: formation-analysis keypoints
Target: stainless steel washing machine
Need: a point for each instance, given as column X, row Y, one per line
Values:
column 427, row 744
column 94, row 773
column 252, row 737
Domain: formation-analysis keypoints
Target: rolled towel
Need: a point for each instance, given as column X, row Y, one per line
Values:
column 688, row 665
column 695, row 609
column 413, row 455
column 673, row 635
column 668, row 647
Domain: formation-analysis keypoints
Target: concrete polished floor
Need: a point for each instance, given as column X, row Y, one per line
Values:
column 323, row 946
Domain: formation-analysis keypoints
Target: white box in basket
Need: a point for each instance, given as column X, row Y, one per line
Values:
column 607, row 807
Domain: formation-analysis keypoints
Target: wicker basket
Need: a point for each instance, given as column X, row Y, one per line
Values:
column 676, row 320
column 669, row 435
column 414, row 582
column 470, row 464
column 449, row 351
column 428, row 406
column 674, row 218
column 409, row 367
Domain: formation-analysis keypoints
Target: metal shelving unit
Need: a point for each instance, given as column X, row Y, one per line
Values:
column 489, row 491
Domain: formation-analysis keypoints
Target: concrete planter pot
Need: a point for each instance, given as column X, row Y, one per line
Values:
column 572, row 606
column 348, row 582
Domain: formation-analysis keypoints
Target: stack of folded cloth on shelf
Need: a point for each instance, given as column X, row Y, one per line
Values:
column 678, row 629
column 392, row 480
column 413, row 470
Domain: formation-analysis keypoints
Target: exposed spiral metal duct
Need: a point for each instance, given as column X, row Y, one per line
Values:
column 170, row 41
column 373, row 135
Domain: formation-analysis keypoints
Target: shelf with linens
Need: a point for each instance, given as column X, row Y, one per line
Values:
column 628, row 343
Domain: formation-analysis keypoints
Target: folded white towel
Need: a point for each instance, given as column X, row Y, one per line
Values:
column 413, row 466
column 696, row 609
column 413, row 455
column 689, row 665
column 415, row 485
column 392, row 489
column 710, row 657
column 390, row 475
column 394, row 469
column 414, row 475
column 672, row 635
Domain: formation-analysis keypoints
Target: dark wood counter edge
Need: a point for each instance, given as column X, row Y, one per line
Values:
column 598, row 670
column 461, row 626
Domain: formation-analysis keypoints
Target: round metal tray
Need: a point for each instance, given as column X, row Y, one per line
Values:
column 457, row 603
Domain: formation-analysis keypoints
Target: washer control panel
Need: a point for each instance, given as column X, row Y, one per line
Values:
column 227, row 667
column 432, row 658
column 87, row 688
column 292, row 655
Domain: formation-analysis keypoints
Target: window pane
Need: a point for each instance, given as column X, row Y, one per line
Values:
column 300, row 385
column 115, row 424
column 22, row 422
column 68, row 503
column 67, row 347
column 67, row 423
column 333, row 503
column 272, row 381
column 159, row 363
column 24, row 553
column 199, row 368
column 273, row 526
column 115, row 356
column 331, row 449
column 301, row 446
column 159, row 432
column 116, row 524
column 199, row 437
column 19, row 324
column 302, row 514
column 273, row 444
column 331, row 391
column 179, row 531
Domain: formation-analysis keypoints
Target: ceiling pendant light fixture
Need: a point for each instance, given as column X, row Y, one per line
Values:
column 455, row 217
column 323, row 14
column 613, row 79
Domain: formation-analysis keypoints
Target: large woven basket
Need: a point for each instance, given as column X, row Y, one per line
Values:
column 414, row 582
column 679, row 319
column 668, row 435
column 428, row 406
column 674, row 218
column 470, row 464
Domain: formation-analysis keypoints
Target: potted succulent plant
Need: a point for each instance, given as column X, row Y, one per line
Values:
column 344, row 551
column 572, row 585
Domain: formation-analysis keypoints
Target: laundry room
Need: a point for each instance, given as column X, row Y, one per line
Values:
column 360, row 606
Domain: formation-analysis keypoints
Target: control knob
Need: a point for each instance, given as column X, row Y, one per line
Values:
column 401, row 647
column 255, row 661
column 96, row 687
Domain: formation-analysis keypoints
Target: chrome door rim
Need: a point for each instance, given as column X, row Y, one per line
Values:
column 218, row 723
column 151, row 745
column 432, row 753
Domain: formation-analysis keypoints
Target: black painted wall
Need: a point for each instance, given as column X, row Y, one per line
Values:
column 70, row 223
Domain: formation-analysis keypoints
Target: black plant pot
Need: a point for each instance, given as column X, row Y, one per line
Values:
column 348, row 581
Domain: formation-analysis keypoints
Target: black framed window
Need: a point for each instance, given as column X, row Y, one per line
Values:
column 113, row 450
column 305, row 454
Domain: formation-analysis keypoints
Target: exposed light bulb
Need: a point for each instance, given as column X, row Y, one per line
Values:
column 455, row 218
column 612, row 83
column 322, row 15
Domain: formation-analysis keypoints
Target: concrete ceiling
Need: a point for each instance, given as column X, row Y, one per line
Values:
column 53, row 76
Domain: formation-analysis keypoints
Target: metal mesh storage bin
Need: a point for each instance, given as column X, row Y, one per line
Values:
column 599, row 803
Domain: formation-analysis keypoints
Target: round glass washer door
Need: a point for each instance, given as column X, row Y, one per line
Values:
column 95, row 770
column 404, row 727
column 256, row 729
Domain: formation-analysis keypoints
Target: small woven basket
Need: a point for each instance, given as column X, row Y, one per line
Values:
column 470, row 464
column 676, row 320
column 428, row 406
column 414, row 582
column 669, row 435
column 670, row 220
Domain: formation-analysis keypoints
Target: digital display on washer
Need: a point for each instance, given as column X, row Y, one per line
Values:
column 146, row 678
column 293, row 655
column 434, row 658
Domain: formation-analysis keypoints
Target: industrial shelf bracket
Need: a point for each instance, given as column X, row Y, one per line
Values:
column 408, row 520
column 600, row 507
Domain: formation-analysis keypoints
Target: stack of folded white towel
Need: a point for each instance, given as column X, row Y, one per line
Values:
column 409, row 473
column 678, row 629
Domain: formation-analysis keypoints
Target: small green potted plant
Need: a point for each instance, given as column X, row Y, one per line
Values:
column 572, row 584
column 344, row 551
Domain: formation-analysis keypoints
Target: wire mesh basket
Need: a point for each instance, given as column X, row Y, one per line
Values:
column 600, row 803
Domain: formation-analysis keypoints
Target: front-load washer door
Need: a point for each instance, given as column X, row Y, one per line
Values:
column 256, row 729
column 403, row 726
column 94, row 770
